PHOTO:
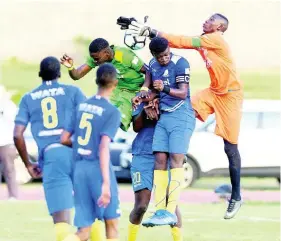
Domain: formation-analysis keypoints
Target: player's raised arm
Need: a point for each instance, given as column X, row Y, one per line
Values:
column 138, row 117
column 215, row 24
column 144, row 91
column 185, row 42
column 74, row 73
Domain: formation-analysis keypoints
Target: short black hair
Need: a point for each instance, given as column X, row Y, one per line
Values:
column 158, row 45
column 223, row 17
column 106, row 75
column 97, row 45
column 49, row 68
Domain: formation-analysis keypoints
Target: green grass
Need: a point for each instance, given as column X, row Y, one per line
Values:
column 23, row 77
column 29, row 221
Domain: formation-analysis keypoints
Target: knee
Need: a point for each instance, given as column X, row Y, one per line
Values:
column 176, row 160
column 230, row 149
column 161, row 160
column 111, row 227
column 233, row 155
column 141, row 209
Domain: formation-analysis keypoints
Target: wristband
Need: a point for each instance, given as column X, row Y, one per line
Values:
column 71, row 68
column 166, row 89
column 144, row 89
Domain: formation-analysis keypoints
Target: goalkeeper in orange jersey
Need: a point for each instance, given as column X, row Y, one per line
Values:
column 223, row 97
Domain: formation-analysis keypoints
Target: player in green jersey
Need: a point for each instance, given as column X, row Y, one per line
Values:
column 130, row 69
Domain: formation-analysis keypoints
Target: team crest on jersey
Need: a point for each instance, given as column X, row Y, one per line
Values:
column 166, row 73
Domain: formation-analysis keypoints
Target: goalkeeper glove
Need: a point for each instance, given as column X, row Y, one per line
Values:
column 137, row 28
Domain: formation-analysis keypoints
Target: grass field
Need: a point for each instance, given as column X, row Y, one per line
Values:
column 256, row 221
column 23, row 77
column 29, row 221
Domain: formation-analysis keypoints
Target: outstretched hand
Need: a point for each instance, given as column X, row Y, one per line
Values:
column 136, row 27
column 66, row 61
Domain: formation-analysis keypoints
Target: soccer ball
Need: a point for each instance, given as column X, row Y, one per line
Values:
column 134, row 42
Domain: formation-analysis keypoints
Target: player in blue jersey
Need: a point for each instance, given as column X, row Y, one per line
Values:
column 46, row 108
column 94, row 125
column 144, row 122
column 170, row 75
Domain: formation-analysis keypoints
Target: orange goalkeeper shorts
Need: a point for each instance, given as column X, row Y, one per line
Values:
column 227, row 109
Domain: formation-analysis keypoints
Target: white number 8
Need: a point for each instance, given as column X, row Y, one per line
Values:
column 50, row 116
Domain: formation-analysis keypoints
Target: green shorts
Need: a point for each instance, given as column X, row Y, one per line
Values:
column 121, row 98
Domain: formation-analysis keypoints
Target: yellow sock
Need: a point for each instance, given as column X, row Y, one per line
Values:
column 161, row 181
column 62, row 230
column 72, row 237
column 97, row 231
column 176, row 233
column 133, row 232
column 177, row 176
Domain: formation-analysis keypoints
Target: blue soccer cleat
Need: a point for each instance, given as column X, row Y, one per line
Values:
column 160, row 218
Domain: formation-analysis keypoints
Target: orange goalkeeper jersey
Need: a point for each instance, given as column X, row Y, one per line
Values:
column 216, row 54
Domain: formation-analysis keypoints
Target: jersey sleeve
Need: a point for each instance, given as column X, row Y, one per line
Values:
column 90, row 62
column 208, row 41
column 112, row 124
column 182, row 71
column 150, row 65
column 129, row 58
column 23, row 116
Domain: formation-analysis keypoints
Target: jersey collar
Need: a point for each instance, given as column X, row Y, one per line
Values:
column 50, row 82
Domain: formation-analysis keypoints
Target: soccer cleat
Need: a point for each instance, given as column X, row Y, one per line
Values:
column 233, row 208
column 160, row 218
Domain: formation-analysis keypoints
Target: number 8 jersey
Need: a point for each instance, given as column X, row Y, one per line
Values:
column 47, row 108
column 94, row 118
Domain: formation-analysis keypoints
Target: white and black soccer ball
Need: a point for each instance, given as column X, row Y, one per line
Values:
column 134, row 42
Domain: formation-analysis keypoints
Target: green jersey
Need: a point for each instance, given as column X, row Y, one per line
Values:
column 128, row 66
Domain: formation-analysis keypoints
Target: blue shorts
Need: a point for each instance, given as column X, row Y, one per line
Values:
column 173, row 131
column 142, row 172
column 57, row 174
column 87, row 182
